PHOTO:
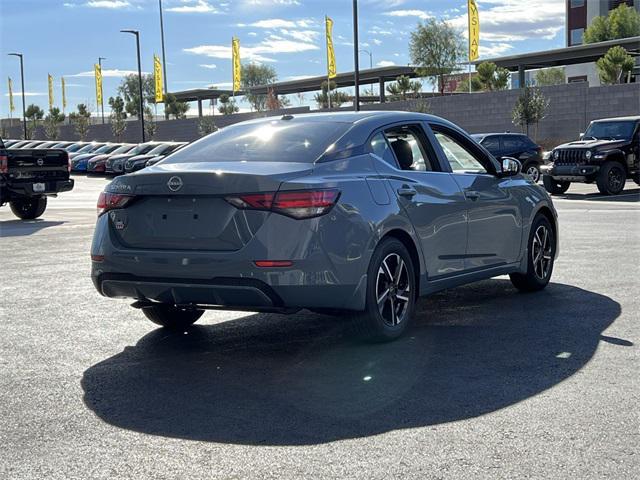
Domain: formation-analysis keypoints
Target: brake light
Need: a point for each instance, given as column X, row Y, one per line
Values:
column 273, row 263
column 4, row 164
column 296, row 204
column 110, row 201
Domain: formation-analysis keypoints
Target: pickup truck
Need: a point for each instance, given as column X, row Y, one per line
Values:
column 28, row 177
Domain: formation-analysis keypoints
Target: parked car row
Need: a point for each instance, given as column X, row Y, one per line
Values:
column 105, row 157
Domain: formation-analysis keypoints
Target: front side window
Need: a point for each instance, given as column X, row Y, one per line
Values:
column 460, row 159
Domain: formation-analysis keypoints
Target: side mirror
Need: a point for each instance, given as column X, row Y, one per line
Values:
column 581, row 135
column 510, row 167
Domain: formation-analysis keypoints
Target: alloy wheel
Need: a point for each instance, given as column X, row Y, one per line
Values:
column 533, row 173
column 541, row 252
column 393, row 289
column 615, row 179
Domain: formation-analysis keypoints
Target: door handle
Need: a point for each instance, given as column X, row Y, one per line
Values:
column 472, row 194
column 407, row 191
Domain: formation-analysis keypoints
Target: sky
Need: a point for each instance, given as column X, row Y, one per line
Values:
column 65, row 38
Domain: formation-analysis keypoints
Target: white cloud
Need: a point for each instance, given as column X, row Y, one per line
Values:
column 271, row 46
column 421, row 14
column 270, row 3
column 210, row 66
column 107, row 73
column 194, row 6
column 494, row 49
column 279, row 23
column 375, row 41
column 114, row 4
column 376, row 30
column 385, row 63
column 515, row 20
column 308, row 36
column 26, row 94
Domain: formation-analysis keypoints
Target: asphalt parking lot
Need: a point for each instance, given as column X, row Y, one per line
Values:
column 488, row 384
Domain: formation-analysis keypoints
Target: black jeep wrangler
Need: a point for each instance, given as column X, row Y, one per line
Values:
column 608, row 153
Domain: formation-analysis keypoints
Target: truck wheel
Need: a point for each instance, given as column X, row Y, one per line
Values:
column 541, row 251
column 391, row 294
column 172, row 317
column 532, row 170
column 554, row 187
column 611, row 178
column 28, row 208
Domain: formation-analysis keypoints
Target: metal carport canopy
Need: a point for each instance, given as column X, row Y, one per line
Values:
column 563, row 56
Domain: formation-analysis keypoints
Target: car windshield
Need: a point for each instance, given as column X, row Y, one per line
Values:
column 276, row 141
column 617, row 130
column 159, row 149
column 123, row 149
column 106, row 149
column 140, row 149
column 74, row 147
column 87, row 148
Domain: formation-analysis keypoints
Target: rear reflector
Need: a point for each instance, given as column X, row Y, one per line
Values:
column 109, row 201
column 4, row 164
column 297, row 204
column 273, row 263
column 97, row 258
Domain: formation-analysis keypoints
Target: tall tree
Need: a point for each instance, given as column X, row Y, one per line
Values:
column 402, row 87
column 614, row 65
column 117, row 117
column 621, row 22
column 150, row 125
column 491, row 77
column 52, row 123
column 129, row 90
column 550, row 76
column 174, row 107
column 254, row 75
column 80, row 121
column 337, row 97
column 530, row 108
column 437, row 49
column 33, row 114
column 207, row 125
column 227, row 106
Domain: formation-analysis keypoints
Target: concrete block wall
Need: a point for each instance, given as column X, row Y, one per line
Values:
column 572, row 107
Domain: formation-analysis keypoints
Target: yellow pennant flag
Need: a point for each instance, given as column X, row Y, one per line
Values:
column 98, row 73
column 50, row 78
column 157, row 77
column 474, row 30
column 237, row 67
column 331, row 55
column 12, row 107
column 64, row 94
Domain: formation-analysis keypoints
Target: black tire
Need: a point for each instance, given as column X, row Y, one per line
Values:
column 611, row 178
column 532, row 170
column 390, row 321
column 171, row 317
column 28, row 208
column 538, row 275
column 555, row 187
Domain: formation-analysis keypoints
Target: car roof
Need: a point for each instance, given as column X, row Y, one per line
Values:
column 634, row 118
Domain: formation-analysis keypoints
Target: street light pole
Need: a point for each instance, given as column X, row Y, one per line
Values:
column 141, row 111
column 24, row 116
column 164, row 61
column 356, row 60
column 101, row 96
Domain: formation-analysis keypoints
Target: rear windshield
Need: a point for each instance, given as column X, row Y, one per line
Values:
column 276, row 141
column 123, row 149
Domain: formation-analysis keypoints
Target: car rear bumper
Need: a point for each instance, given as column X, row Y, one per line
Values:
column 570, row 173
column 51, row 187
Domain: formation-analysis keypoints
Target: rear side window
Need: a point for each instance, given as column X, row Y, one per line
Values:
column 275, row 141
column 492, row 144
column 380, row 147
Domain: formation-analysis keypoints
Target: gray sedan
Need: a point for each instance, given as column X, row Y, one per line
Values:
column 357, row 214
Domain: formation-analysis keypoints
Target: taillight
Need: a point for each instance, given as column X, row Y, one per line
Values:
column 4, row 164
column 297, row 204
column 110, row 201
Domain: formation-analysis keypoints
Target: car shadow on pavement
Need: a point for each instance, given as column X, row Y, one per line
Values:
column 20, row 228
column 299, row 380
column 626, row 196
